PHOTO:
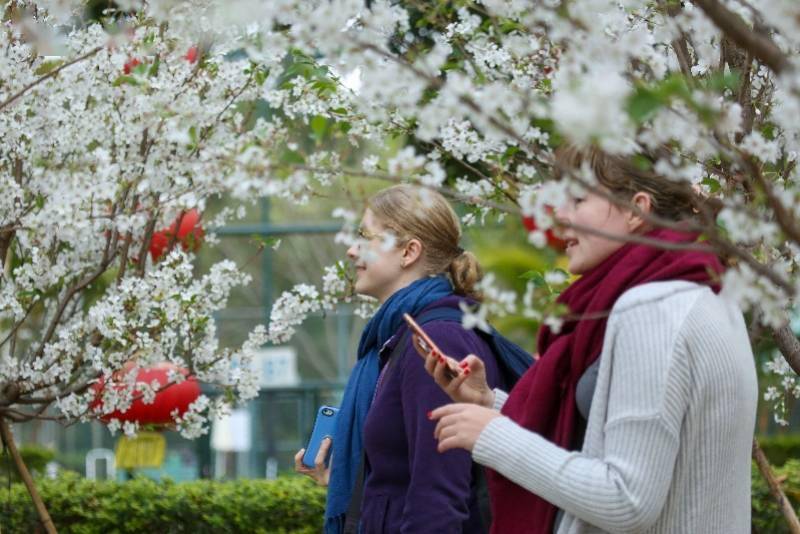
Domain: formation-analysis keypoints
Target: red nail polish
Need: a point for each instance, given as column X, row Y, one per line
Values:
column 430, row 415
column 441, row 360
column 463, row 364
column 466, row 371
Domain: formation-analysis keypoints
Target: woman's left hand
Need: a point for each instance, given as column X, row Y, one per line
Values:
column 460, row 425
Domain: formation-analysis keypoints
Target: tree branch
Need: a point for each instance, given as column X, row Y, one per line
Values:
column 789, row 346
column 71, row 293
column 737, row 31
column 50, row 74
column 775, row 488
column 8, row 439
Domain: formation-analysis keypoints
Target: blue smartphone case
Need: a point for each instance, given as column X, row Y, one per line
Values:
column 323, row 428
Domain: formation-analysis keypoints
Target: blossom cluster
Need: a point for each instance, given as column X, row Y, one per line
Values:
column 122, row 126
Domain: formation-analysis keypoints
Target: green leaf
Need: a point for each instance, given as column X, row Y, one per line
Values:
column 722, row 81
column 266, row 242
column 153, row 70
column 319, row 125
column 48, row 66
column 261, row 76
column 641, row 163
column 711, row 183
column 646, row 100
column 534, row 276
column 643, row 104
column 125, row 79
column 292, row 156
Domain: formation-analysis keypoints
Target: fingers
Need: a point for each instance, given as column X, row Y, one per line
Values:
column 298, row 462
column 444, row 427
column 447, row 409
column 455, row 384
column 420, row 348
column 452, row 442
column 473, row 363
column 447, row 432
column 322, row 453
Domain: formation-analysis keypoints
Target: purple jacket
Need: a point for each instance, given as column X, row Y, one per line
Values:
column 410, row 487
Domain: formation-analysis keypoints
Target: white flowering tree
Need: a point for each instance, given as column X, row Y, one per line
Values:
column 112, row 129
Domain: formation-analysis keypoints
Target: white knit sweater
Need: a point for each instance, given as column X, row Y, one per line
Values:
column 669, row 435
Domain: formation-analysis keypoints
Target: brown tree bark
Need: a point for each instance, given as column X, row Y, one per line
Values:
column 775, row 488
column 8, row 439
column 789, row 346
column 737, row 31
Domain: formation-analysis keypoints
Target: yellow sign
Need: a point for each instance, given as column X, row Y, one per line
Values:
column 145, row 450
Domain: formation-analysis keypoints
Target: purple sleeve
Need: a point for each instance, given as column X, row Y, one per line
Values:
column 439, row 487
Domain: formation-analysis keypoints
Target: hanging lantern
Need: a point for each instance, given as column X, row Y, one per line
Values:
column 189, row 235
column 553, row 241
column 176, row 396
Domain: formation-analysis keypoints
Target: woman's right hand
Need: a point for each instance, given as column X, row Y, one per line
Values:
column 320, row 473
column 467, row 384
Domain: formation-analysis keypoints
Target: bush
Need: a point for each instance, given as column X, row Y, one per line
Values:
column 81, row 506
column 779, row 449
column 767, row 518
column 35, row 457
column 289, row 504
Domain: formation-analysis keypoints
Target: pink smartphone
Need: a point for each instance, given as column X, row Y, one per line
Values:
column 427, row 343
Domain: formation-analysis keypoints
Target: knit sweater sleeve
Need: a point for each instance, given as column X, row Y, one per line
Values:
column 500, row 398
column 624, row 490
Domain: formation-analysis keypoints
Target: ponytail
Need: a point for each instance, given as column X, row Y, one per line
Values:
column 465, row 273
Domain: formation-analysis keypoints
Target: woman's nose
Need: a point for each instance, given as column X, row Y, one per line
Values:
column 561, row 213
column 352, row 252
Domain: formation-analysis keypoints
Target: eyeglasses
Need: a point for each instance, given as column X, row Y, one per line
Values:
column 366, row 235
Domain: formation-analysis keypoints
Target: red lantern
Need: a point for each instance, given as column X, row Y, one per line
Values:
column 190, row 235
column 176, row 396
column 191, row 54
column 553, row 241
column 131, row 64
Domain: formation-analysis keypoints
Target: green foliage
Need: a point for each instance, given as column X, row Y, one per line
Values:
column 645, row 102
column 648, row 99
column 767, row 518
column 80, row 506
column 289, row 504
column 780, row 449
column 35, row 457
column 505, row 252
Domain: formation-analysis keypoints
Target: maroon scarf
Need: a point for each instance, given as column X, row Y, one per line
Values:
column 543, row 400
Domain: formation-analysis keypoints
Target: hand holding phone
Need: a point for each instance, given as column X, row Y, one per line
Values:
column 429, row 351
column 463, row 381
column 323, row 428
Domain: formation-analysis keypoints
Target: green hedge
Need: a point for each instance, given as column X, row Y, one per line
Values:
column 289, row 504
column 767, row 519
column 35, row 458
column 142, row 506
column 779, row 449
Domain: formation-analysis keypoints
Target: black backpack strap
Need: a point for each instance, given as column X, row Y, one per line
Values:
column 353, row 515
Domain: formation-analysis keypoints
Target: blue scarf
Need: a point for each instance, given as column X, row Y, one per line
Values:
column 348, row 435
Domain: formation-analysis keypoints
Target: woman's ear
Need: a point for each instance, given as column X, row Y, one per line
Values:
column 412, row 252
column 642, row 205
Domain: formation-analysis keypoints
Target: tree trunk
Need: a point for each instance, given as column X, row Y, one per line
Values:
column 775, row 488
column 8, row 439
